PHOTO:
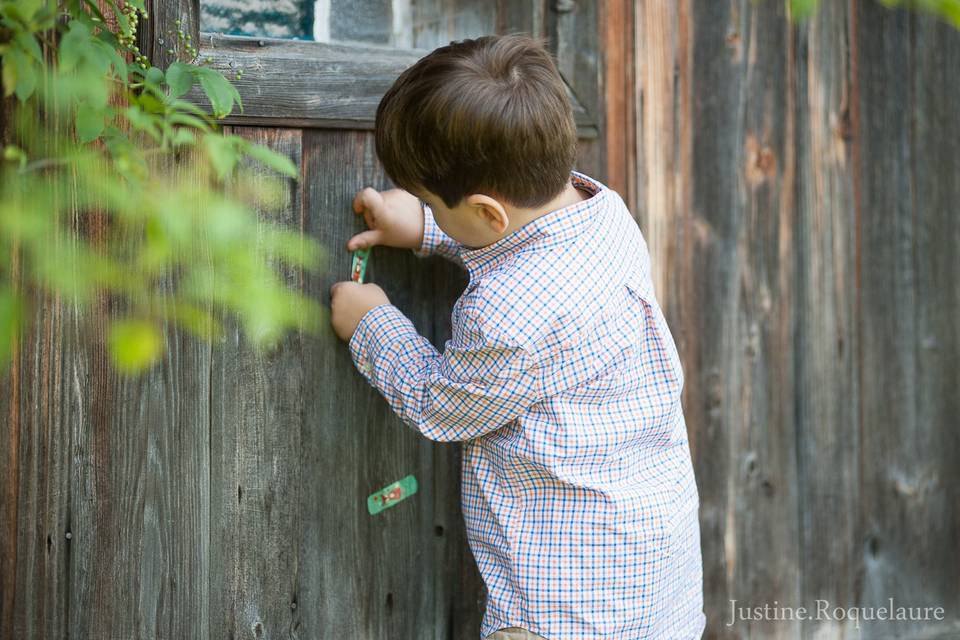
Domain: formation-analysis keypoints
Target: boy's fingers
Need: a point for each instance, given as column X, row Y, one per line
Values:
column 336, row 285
column 365, row 199
column 365, row 239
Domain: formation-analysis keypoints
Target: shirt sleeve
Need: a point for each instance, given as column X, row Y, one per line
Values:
column 474, row 387
column 435, row 241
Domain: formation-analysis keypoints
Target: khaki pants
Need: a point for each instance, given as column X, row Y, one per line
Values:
column 514, row 633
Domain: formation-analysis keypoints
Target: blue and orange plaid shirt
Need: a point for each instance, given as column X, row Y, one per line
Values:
column 562, row 380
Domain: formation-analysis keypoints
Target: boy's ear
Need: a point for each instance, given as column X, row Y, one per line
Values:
column 490, row 210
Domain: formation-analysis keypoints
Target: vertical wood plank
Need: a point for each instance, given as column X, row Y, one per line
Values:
column 110, row 475
column 573, row 29
column 158, row 35
column 436, row 23
column 363, row 576
column 619, row 88
column 827, row 442
column 257, row 410
column 721, row 218
column 909, row 300
column 40, row 476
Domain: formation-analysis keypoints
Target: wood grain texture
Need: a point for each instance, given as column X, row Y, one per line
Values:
column 619, row 99
column 157, row 36
column 256, row 416
column 791, row 180
column 314, row 84
column 909, row 300
column 719, row 216
column 110, row 511
column 363, row 576
column 436, row 23
column 824, row 246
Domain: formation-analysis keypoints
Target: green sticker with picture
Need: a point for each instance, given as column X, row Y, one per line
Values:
column 359, row 268
column 391, row 495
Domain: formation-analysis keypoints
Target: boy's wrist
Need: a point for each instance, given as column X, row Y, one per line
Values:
column 378, row 327
column 426, row 231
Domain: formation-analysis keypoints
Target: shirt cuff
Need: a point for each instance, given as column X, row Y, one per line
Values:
column 379, row 327
column 432, row 234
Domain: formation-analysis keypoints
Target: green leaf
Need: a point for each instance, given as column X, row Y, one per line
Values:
column 223, row 153
column 143, row 121
column 802, row 9
column 10, row 74
column 188, row 121
column 179, row 78
column 219, row 91
column 150, row 103
column 74, row 44
column 13, row 153
column 19, row 74
column 114, row 59
column 154, row 76
column 89, row 122
column 11, row 317
column 278, row 162
column 134, row 344
column 184, row 105
column 29, row 44
column 183, row 137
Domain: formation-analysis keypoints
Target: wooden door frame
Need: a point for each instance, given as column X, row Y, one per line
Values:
column 306, row 78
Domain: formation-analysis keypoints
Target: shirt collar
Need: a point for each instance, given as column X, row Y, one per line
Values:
column 556, row 226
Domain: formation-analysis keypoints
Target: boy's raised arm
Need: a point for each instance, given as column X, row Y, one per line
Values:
column 470, row 389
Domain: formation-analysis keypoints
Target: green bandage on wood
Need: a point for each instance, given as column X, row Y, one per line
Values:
column 391, row 495
column 358, row 269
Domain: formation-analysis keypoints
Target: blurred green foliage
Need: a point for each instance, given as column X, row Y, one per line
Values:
column 948, row 10
column 119, row 194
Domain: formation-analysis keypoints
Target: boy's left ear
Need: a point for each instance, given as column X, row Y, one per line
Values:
column 491, row 210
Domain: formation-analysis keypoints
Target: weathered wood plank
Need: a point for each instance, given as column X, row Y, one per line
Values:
column 363, row 576
column 436, row 23
column 718, row 208
column 256, row 417
column 139, row 499
column 827, row 441
column 573, row 30
column 909, row 300
column 312, row 84
column 110, row 471
column 619, row 99
column 157, row 36
column 39, row 476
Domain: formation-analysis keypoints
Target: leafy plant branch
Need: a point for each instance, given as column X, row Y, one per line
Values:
column 120, row 193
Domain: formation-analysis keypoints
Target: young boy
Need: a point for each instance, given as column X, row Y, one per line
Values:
column 561, row 377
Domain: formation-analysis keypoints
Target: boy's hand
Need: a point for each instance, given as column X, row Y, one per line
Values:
column 348, row 302
column 393, row 216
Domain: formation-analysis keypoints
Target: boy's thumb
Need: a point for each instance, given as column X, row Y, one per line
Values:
column 365, row 239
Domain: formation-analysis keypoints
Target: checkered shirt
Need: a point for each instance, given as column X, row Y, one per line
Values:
column 563, row 383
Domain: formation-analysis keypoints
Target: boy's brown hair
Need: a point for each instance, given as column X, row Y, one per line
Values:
column 487, row 115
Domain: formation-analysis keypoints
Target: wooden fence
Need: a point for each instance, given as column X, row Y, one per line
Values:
column 798, row 187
